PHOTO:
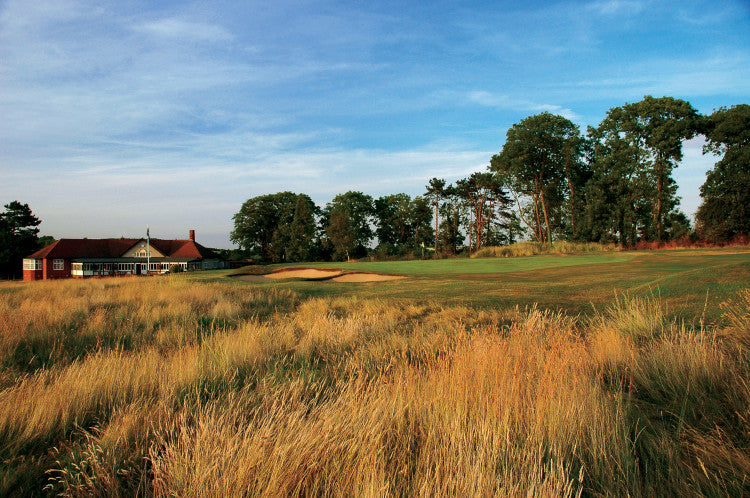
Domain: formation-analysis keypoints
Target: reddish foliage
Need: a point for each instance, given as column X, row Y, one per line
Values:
column 686, row 242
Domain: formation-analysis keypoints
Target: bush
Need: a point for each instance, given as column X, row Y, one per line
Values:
column 529, row 248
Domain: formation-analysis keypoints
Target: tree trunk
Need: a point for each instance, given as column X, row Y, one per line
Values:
column 659, row 187
column 546, row 218
column 572, row 198
column 538, row 232
column 436, row 228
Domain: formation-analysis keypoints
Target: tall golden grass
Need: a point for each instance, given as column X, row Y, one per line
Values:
column 223, row 389
column 530, row 248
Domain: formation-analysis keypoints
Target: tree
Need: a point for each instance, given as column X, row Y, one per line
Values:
column 18, row 238
column 667, row 122
column 342, row 233
column 635, row 149
column 533, row 163
column 450, row 235
column 725, row 210
column 615, row 208
column 486, row 200
column 435, row 193
column 277, row 226
column 402, row 223
column 349, row 218
column 300, row 234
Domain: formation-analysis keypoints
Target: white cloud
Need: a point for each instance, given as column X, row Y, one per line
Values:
column 180, row 29
column 502, row 101
column 179, row 189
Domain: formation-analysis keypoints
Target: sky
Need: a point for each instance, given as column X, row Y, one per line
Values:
column 120, row 115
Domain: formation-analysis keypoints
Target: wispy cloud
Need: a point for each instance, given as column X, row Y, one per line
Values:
column 501, row 101
column 180, row 29
column 617, row 7
column 189, row 109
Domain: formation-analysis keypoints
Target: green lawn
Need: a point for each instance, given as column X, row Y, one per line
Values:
column 692, row 283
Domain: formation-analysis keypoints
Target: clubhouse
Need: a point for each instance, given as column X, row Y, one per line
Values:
column 83, row 258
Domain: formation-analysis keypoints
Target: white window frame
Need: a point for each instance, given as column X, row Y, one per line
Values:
column 32, row 264
column 58, row 264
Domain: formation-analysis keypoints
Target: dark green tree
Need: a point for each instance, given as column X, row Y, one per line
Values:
column 616, row 208
column 725, row 210
column 450, row 235
column 342, row 233
column 487, row 203
column 435, row 193
column 271, row 226
column 667, row 122
column 349, row 227
column 402, row 223
column 539, row 155
column 635, row 149
column 18, row 238
column 300, row 235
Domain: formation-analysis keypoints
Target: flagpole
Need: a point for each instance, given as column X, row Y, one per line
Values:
column 148, row 251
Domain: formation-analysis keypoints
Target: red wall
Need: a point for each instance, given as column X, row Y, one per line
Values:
column 51, row 273
column 48, row 272
column 30, row 275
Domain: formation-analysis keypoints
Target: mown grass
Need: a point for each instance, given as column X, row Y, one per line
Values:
column 691, row 282
column 213, row 389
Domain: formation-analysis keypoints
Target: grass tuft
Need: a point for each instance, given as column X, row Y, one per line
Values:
column 174, row 387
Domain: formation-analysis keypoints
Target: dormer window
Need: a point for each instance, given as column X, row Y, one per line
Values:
column 143, row 253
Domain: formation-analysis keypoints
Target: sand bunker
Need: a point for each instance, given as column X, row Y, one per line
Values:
column 366, row 277
column 303, row 273
column 320, row 274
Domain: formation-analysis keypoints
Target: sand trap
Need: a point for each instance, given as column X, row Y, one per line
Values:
column 366, row 277
column 303, row 273
column 320, row 274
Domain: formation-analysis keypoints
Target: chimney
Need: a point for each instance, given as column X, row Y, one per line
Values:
column 192, row 235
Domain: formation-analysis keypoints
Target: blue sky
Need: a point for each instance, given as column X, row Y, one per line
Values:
column 118, row 115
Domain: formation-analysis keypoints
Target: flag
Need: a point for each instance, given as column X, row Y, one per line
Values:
column 147, row 235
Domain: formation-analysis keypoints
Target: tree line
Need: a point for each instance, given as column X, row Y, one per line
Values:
column 550, row 181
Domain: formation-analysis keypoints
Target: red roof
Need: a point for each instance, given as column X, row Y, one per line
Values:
column 114, row 248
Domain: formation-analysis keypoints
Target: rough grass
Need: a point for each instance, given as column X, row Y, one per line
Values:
column 535, row 248
column 225, row 390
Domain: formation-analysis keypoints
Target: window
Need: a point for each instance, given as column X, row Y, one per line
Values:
column 143, row 253
column 58, row 264
column 32, row 264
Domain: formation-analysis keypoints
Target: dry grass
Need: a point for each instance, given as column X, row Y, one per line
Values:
column 534, row 248
column 221, row 390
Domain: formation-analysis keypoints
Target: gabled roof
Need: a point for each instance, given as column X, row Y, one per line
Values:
column 114, row 248
column 85, row 248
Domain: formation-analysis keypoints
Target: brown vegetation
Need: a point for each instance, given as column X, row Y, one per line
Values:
column 171, row 387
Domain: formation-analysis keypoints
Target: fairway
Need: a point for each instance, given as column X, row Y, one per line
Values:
column 691, row 283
